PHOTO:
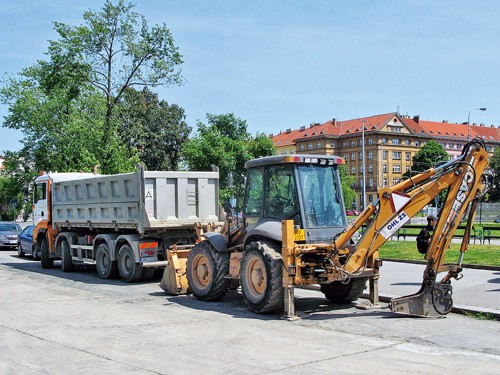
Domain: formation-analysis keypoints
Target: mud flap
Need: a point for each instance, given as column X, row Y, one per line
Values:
column 432, row 300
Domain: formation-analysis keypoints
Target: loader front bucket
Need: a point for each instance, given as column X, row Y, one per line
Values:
column 432, row 300
column 174, row 279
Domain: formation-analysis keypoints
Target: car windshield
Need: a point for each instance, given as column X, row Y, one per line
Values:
column 321, row 195
column 10, row 228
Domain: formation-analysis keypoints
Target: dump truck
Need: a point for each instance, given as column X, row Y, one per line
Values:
column 122, row 223
column 293, row 233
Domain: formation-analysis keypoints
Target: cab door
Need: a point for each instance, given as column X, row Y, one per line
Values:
column 40, row 202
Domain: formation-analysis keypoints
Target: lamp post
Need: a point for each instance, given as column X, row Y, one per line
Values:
column 468, row 121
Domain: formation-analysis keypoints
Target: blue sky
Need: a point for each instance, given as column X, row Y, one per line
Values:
column 284, row 64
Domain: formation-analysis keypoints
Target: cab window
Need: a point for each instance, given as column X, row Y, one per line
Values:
column 281, row 194
column 255, row 186
column 40, row 192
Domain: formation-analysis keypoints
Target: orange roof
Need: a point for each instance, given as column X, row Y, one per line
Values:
column 372, row 123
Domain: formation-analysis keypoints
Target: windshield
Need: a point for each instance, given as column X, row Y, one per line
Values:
column 10, row 228
column 322, row 196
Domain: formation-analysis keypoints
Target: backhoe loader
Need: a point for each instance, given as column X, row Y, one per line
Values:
column 293, row 233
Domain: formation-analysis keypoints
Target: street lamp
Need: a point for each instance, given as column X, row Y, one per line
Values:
column 468, row 121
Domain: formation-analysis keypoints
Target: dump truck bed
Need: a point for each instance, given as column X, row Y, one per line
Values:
column 141, row 201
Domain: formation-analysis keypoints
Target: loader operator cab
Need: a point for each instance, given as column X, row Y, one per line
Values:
column 303, row 188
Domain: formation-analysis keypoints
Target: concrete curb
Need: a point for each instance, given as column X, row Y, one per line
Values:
column 472, row 266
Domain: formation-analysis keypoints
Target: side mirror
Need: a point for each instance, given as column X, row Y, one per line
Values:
column 230, row 179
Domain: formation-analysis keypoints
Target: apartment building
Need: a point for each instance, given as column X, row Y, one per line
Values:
column 390, row 140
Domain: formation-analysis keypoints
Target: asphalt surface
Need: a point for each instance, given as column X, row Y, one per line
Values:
column 75, row 323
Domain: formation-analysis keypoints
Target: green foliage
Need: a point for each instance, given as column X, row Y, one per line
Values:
column 152, row 127
column 11, row 199
column 113, row 51
column 346, row 181
column 225, row 143
column 494, row 193
column 429, row 156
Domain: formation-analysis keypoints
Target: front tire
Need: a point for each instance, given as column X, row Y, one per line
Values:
column 106, row 268
column 206, row 271
column 66, row 261
column 340, row 293
column 261, row 277
column 46, row 261
column 129, row 270
column 20, row 252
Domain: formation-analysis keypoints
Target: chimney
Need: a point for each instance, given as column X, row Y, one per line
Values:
column 481, row 124
column 334, row 122
column 416, row 119
column 445, row 121
column 271, row 135
column 288, row 131
column 302, row 128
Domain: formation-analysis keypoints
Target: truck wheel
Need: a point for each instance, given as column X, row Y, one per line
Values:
column 340, row 293
column 20, row 252
column 261, row 275
column 46, row 261
column 129, row 270
column 106, row 268
column 66, row 261
column 206, row 269
column 148, row 273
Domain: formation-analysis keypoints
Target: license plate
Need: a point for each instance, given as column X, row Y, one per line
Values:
column 299, row 235
column 147, row 260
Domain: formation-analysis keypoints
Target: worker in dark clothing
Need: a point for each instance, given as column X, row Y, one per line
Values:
column 424, row 237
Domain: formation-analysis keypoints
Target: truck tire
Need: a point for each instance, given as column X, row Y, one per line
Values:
column 45, row 260
column 129, row 270
column 206, row 271
column 20, row 252
column 66, row 261
column 340, row 293
column 261, row 275
column 148, row 273
column 106, row 268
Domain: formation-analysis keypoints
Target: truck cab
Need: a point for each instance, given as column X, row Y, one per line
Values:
column 302, row 188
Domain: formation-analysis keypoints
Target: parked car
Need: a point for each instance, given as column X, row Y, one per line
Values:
column 25, row 243
column 497, row 219
column 350, row 213
column 8, row 234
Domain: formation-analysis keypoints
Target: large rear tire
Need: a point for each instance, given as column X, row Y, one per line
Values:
column 206, row 272
column 148, row 273
column 340, row 293
column 129, row 270
column 66, row 261
column 106, row 268
column 261, row 275
column 45, row 259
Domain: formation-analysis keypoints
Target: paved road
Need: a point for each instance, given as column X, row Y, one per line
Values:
column 59, row 323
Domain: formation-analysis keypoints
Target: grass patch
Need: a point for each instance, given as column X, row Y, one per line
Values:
column 481, row 316
column 486, row 255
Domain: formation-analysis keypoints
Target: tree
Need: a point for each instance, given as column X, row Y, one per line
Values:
column 225, row 143
column 429, row 156
column 113, row 51
column 494, row 193
column 152, row 127
column 346, row 181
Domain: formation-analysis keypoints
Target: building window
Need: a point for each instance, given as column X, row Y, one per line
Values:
column 370, row 154
column 370, row 183
column 407, row 142
column 395, row 181
column 353, row 143
column 344, row 144
column 291, row 151
column 396, row 155
column 370, row 168
column 384, row 168
column 384, row 140
column 354, row 183
column 283, row 152
column 408, row 155
column 361, row 142
column 309, row 146
column 353, row 156
column 318, row 145
column 396, row 168
column 361, row 169
column 332, row 144
column 384, row 182
column 370, row 141
column 396, row 129
column 395, row 141
column 345, row 157
column 417, row 143
column 384, row 155
column 353, row 170
column 407, row 168
column 360, row 156
column 301, row 147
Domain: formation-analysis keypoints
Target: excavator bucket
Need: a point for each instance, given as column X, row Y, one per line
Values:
column 174, row 279
column 432, row 300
